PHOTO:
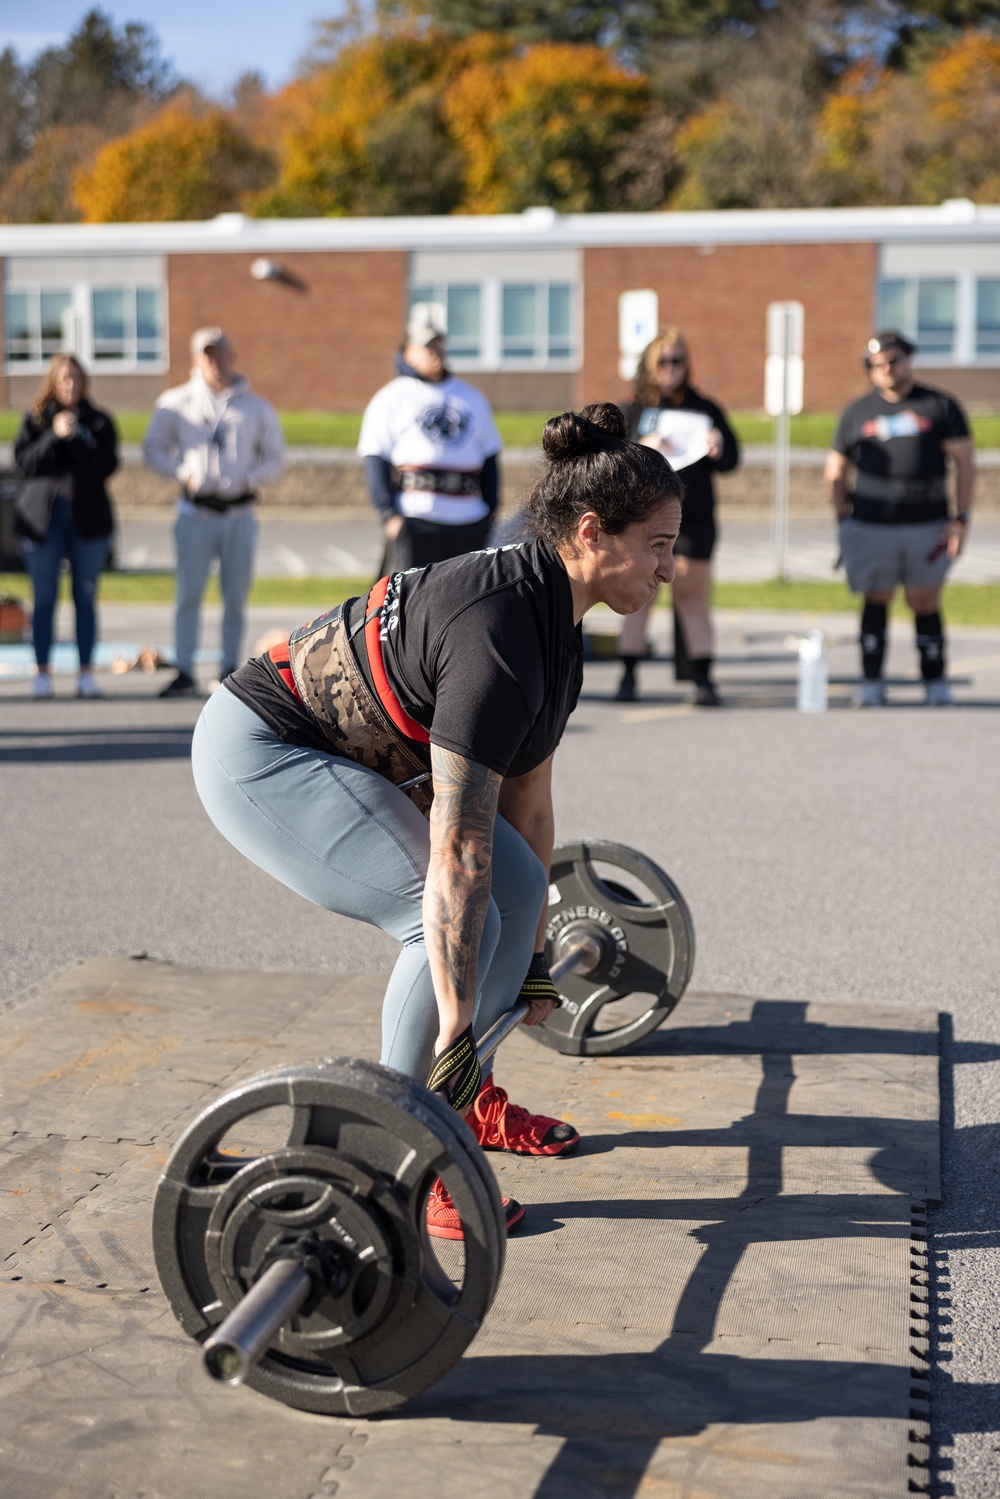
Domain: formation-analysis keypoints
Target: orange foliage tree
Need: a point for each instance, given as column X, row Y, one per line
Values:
column 545, row 126
column 364, row 134
column 918, row 137
column 186, row 163
column 40, row 188
column 963, row 87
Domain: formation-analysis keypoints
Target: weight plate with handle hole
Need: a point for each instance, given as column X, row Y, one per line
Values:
column 639, row 923
column 349, row 1180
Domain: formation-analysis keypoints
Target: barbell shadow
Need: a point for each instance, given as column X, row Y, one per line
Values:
column 622, row 1406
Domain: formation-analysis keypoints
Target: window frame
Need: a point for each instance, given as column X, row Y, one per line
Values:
column 965, row 347
column 492, row 357
column 81, row 295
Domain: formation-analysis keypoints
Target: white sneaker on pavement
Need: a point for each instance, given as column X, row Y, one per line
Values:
column 87, row 685
column 939, row 694
column 869, row 694
column 42, row 686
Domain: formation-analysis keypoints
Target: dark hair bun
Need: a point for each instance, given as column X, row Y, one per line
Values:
column 595, row 429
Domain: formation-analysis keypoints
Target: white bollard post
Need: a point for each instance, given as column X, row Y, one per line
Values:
column 812, row 676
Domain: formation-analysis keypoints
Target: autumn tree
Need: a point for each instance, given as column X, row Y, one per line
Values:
column 752, row 145
column 544, row 126
column 57, row 110
column 39, row 190
column 917, row 136
column 366, row 134
column 190, row 162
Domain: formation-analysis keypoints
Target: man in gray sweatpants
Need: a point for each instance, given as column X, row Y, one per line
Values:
column 219, row 441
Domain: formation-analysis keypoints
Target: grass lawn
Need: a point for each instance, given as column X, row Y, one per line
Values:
column 519, row 429
column 965, row 603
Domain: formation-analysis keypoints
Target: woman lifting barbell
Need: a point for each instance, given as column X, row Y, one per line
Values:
column 393, row 761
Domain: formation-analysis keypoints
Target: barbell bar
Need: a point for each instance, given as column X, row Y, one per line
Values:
column 244, row 1337
column 305, row 1271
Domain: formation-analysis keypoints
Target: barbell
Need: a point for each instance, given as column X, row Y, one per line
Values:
column 289, row 1223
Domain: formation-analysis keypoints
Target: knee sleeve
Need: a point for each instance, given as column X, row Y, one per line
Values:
column 930, row 645
column 874, row 618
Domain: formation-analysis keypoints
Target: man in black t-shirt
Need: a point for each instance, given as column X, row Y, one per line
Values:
column 895, row 525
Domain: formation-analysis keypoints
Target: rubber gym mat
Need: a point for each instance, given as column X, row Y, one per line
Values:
column 723, row 1291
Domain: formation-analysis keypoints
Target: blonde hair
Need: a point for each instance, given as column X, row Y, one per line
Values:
column 47, row 393
column 645, row 388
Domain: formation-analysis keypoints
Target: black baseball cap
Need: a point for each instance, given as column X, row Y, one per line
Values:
column 888, row 338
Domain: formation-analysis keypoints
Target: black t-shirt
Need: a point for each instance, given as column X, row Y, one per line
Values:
column 900, row 439
column 482, row 651
column 699, row 491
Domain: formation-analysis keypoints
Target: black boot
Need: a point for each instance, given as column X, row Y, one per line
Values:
column 628, row 690
column 705, row 695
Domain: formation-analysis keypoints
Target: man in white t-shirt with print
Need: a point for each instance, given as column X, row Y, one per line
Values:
column 430, row 447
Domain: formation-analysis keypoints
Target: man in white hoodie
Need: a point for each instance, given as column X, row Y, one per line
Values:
column 219, row 441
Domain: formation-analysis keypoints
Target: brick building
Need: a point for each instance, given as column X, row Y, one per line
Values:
column 316, row 306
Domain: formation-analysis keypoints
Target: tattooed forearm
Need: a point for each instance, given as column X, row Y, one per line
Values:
column 457, row 890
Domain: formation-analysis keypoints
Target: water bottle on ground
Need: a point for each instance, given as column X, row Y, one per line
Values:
column 812, row 679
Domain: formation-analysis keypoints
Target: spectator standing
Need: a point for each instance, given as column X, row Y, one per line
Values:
column 220, row 441
column 66, row 449
column 894, row 521
column 430, row 447
column 692, row 433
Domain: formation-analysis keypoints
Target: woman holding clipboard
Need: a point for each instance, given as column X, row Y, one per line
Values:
column 692, row 433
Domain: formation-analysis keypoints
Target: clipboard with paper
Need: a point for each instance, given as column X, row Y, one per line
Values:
column 681, row 436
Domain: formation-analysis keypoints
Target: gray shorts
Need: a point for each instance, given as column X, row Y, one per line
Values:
column 878, row 557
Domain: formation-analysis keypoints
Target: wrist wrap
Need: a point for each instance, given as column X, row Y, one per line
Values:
column 538, row 984
column 456, row 1072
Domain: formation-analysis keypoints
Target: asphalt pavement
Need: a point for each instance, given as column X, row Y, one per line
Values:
column 836, row 856
column 297, row 544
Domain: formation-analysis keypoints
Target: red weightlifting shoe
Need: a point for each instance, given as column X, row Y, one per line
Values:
column 443, row 1221
column 499, row 1124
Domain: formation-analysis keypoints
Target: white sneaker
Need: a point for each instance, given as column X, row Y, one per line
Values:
column 870, row 694
column 87, row 685
column 42, row 686
column 939, row 694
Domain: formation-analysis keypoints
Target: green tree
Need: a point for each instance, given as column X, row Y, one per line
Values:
column 97, row 73
column 15, row 130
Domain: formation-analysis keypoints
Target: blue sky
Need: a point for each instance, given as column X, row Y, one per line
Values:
column 210, row 42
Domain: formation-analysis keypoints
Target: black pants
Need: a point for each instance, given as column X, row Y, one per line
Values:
column 421, row 542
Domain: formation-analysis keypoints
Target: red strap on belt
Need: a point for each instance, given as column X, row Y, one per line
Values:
column 373, row 644
column 278, row 656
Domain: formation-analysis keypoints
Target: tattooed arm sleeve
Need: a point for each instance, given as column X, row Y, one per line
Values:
column 457, row 889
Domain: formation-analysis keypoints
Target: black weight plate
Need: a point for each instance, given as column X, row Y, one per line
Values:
column 365, row 1143
column 648, row 941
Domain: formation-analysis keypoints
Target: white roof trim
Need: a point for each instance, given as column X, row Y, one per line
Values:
column 956, row 219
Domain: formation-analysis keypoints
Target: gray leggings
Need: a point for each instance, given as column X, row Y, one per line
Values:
column 351, row 842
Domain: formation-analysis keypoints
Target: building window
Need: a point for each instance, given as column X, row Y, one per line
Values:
column 952, row 319
column 119, row 328
column 988, row 320
column 36, row 325
column 937, row 325
column 925, row 309
column 127, row 325
column 506, row 325
column 535, row 323
column 463, row 316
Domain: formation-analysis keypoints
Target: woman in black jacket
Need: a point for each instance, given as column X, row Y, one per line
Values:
column 66, row 449
column 692, row 433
